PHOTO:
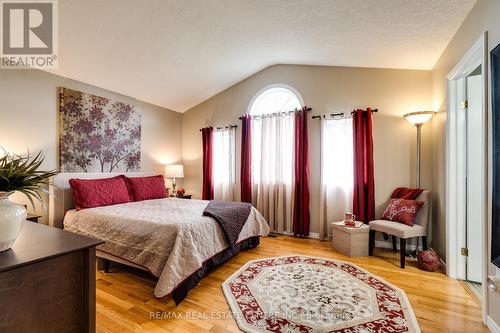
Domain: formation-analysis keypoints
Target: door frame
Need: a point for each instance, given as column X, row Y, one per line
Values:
column 456, row 164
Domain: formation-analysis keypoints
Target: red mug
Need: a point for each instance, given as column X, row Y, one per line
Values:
column 350, row 217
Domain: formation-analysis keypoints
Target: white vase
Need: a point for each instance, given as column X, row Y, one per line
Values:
column 12, row 218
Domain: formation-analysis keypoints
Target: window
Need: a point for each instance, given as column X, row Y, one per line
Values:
column 272, row 135
column 337, row 154
column 275, row 99
column 224, row 164
column 337, row 172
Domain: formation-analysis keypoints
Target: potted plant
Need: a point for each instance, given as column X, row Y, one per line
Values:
column 21, row 174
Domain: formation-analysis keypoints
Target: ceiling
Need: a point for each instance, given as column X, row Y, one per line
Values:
column 176, row 54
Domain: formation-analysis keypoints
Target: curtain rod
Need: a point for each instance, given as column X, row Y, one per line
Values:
column 341, row 114
column 220, row 128
column 276, row 113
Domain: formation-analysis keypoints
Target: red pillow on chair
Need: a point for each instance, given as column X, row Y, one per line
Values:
column 402, row 210
column 88, row 193
column 146, row 188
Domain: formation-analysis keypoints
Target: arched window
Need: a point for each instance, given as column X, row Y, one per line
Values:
column 275, row 99
column 272, row 136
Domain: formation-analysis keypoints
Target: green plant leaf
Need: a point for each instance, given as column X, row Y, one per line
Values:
column 21, row 173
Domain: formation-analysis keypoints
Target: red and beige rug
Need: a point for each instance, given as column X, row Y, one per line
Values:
column 309, row 294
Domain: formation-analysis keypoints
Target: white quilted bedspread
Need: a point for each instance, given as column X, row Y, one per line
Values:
column 170, row 237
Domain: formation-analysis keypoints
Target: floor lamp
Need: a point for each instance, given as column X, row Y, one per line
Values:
column 418, row 119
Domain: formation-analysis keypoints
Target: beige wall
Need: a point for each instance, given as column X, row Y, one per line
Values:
column 326, row 90
column 29, row 119
column 483, row 17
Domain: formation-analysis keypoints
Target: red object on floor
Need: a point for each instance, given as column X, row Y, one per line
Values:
column 364, row 183
column 301, row 216
column 246, row 159
column 406, row 193
column 208, row 185
column 428, row 260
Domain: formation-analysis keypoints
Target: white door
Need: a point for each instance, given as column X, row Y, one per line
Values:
column 475, row 156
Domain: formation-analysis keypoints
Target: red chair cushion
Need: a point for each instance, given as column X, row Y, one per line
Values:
column 146, row 188
column 88, row 193
column 402, row 210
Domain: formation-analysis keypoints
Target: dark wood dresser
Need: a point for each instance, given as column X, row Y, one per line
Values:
column 47, row 282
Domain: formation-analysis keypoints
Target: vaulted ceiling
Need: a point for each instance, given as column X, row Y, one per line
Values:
column 178, row 53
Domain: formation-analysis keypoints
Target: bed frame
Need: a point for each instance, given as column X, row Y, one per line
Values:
column 61, row 201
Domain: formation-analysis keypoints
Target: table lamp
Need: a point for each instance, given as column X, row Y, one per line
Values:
column 174, row 171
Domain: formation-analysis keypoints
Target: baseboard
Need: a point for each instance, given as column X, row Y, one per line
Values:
column 314, row 235
column 388, row 245
column 494, row 328
column 443, row 264
column 378, row 243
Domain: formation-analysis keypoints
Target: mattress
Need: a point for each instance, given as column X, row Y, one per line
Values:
column 169, row 237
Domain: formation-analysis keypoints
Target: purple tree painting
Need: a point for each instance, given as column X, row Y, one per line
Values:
column 98, row 134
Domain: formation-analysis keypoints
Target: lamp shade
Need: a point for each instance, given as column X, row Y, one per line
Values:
column 174, row 171
column 420, row 117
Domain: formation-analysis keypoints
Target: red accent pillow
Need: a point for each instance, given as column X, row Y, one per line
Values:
column 146, row 188
column 88, row 193
column 402, row 210
column 428, row 260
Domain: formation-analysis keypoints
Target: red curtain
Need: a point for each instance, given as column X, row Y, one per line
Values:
column 301, row 217
column 208, row 185
column 246, row 158
column 364, row 184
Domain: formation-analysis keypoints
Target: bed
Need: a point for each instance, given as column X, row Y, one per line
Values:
column 170, row 238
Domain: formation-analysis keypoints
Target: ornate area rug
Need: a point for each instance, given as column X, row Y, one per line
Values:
column 309, row 294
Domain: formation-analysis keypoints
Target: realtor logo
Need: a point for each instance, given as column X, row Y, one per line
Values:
column 29, row 34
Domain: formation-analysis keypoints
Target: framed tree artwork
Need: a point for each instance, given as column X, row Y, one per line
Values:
column 98, row 134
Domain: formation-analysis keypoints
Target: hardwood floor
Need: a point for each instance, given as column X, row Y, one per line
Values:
column 125, row 301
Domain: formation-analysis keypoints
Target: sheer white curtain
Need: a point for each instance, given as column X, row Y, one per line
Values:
column 336, row 172
column 272, row 169
column 224, row 164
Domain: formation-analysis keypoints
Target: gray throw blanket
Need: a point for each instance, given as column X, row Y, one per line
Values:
column 230, row 215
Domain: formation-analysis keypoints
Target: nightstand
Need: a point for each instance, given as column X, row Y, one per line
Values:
column 185, row 196
column 32, row 218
